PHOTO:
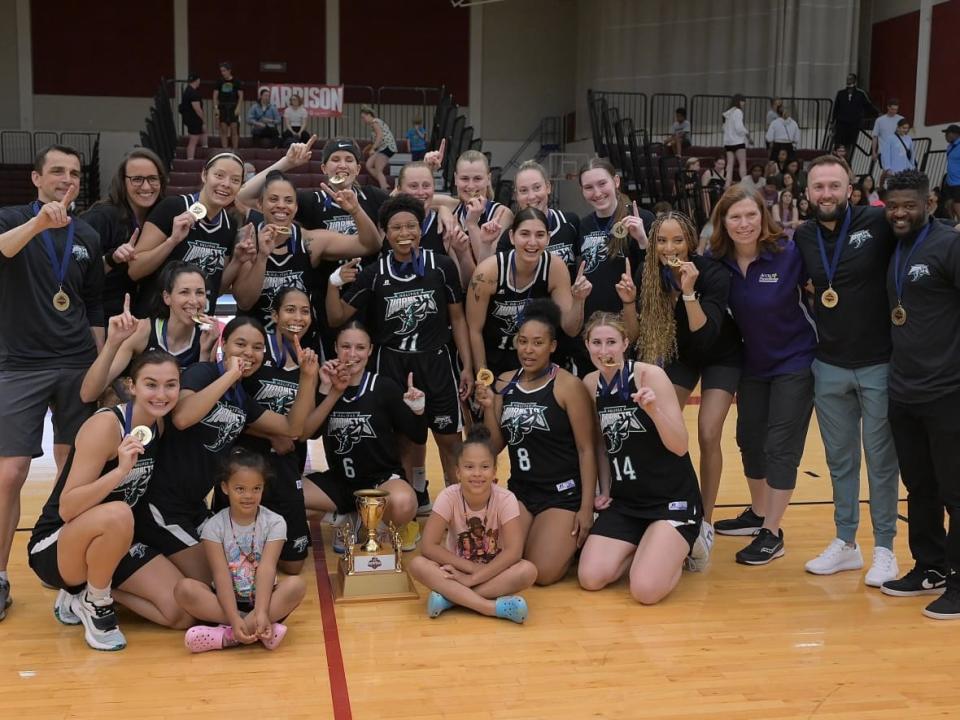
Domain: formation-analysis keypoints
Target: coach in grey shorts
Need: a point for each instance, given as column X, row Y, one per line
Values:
column 51, row 324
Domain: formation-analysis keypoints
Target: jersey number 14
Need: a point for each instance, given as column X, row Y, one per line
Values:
column 624, row 469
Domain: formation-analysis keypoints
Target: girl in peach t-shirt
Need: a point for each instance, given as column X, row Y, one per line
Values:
column 479, row 565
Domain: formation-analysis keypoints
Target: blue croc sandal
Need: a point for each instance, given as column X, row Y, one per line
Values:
column 512, row 607
column 436, row 604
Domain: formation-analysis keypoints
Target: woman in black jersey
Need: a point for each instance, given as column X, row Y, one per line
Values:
column 649, row 502
column 504, row 284
column 613, row 239
column 177, row 326
column 212, row 411
column 287, row 254
column 207, row 241
column 361, row 414
column 542, row 415
column 686, row 329
column 83, row 541
column 138, row 185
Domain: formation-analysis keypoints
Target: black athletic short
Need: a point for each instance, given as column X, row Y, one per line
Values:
column 340, row 491
column 193, row 124
column 536, row 499
column 42, row 556
column 711, row 377
column 434, row 372
column 168, row 532
column 734, row 148
column 228, row 114
column 387, row 152
column 284, row 495
column 616, row 524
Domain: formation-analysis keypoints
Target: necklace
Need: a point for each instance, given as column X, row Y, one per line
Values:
column 250, row 555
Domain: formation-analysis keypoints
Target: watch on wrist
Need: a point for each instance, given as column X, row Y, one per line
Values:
column 692, row 297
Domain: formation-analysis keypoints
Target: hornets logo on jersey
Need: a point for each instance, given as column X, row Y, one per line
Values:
column 520, row 419
column 564, row 251
column 227, row 421
column 134, row 485
column 276, row 395
column 207, row 256
column 348, row 429
column 410, row 308
column 616, row 423
column 508, row 313
column 593, row 252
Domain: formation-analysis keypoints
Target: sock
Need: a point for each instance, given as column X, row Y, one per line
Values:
column 98, row 596
column 419, row 479
column 3, row 576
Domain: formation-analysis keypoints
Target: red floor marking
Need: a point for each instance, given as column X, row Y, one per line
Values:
column 693, row 400
column 339, row 693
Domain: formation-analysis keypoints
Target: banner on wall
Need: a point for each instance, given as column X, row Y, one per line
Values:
column 319, row 100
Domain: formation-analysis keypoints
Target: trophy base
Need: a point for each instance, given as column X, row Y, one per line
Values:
column 368, row 586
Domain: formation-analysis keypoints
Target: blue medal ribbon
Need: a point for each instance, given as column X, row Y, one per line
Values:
column 361, row 388
column 416, row 266
column 58, row 265
column 669, row 281
column 279, row 349
column 550, row 369
column 427, row 222
column 900, row 274
column 830, row 268
column 128, row 418
column 235, row 394
column 620, row 384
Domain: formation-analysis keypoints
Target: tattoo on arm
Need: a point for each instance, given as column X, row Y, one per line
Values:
column 477, row 281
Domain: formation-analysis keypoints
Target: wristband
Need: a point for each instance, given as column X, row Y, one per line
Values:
column 336, row 279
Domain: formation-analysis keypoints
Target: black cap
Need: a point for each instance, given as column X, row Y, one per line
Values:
column 952, row 129
column 341, row 143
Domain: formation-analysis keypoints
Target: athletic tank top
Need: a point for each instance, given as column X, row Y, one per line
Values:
column 289, row 269
column 506, row 305
column 647, row 480
column 489, row 211
column 158, row 341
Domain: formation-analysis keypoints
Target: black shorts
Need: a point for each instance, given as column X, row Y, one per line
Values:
column 340, row 491
column 734, row 148
column 193, row 124
column 42, row 556
column 435, row 373
column 616, row 524
column 537, row 498
column 228, row 114
column 284, row 495
column 168, row 532
column 387, row 152
column 711, row 377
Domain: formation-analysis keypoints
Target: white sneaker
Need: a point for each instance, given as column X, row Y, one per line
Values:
column 62, row 611
column 837, row 557
column 883, row 569
column 699, row 556
column 99, row 622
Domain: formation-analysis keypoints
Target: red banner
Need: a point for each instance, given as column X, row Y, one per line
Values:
column 319, row 100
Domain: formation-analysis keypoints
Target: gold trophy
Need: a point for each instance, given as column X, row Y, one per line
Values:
column 372, row 569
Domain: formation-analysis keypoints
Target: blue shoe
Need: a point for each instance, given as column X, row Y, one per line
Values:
column 437, row 604
column 512, row 607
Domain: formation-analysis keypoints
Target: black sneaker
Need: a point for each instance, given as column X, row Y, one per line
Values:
column 765, row 547
column 424, row 506
column 916, row 582
column 746, row 523
column 945, row 607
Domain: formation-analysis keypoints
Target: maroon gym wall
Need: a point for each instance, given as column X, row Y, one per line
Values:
column 893, row 62
column 943, row 101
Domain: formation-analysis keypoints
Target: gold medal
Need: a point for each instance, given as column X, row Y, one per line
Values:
column 619, row 230
column 485, row 377
column 829, row 298
column 143, row 434
column 198, row 210
column 61, row 301
column 338, row 182
column 674, row 261
column 610, row 361
column 898, row 316
column 281, row 229
column 201, row 322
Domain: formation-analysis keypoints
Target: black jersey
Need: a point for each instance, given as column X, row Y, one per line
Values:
column 564, row 229
column 489, row 211
column 602, row 270
column 539, row 438
column 409, row 312
column 274, row 388
column 130, row 489
column 289, row 268
column 430, row 237
column 506, row 305
column 360, row 433
column 115, row 228
column 208, row 245
column 158, row 341
column 189, row 459
column 647, row 480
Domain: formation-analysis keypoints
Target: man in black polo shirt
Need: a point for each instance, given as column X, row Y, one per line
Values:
column 846, row 251
column 51, row 324
column 923, row 287
column 228, row 104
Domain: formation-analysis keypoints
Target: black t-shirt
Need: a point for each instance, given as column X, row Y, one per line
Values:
column 360, row 434
column 190, row 95
column 602, row 270
column 33, row 334
column 188, row 460
column 274, row 388
column 564, row 238
column 208, row 245
column 114, row 231
column 925, row 363
column 410, row 312
column 856, row 332
column 228, row 92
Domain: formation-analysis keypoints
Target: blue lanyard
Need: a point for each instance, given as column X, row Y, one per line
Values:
column 427, row 222
column 668, row 279
column 280, row 349
column 361, row 388
column 831, row 268
column 235, row 394
column 610, row 223
column 620, row 384
column 416, row 266
column 900, row 274
column 58, row 265
column 128, row 418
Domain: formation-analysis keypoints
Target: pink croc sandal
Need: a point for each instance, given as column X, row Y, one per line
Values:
column 279, row 632
column 202, row 638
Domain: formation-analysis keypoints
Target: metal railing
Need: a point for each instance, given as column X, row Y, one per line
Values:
column 935, row 167
column 19, row 147
column 663, row 112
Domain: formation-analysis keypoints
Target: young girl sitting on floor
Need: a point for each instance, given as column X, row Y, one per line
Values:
column 242, row 545
column 480, row 565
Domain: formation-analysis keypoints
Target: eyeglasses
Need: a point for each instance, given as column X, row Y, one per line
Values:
column 138, row 180
column 409, row 227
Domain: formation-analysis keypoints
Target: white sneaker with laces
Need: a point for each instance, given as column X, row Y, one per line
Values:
column 62, row 610
column 99, row 622
column 883, row 569
column 837, row 557
column 699, row 556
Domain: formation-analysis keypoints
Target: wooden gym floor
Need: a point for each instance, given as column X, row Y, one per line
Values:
column 733, row 642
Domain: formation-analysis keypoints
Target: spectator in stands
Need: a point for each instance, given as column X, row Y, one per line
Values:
column 869, row 189
column 191, row 111
column 896, row 151
column 799, row 176
column 788, row 183
column 775, row 111
column 417, row 138
column 856, row 196
column 783, row 134
column 735, row 138
column 139, row 183
column 850, row 108
column 755, row 179
column 51, row 322
column 382, row 147
column 771, row 171
column 785, row 213
column 883, row 127
column 688, row 180
column 227, row 98
column 841, row 151
column 712, row 182
column 803, row 209
column 295, row 121
column 951, row 183
column 264, row 120
column 679, row 137
column 771, row 194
